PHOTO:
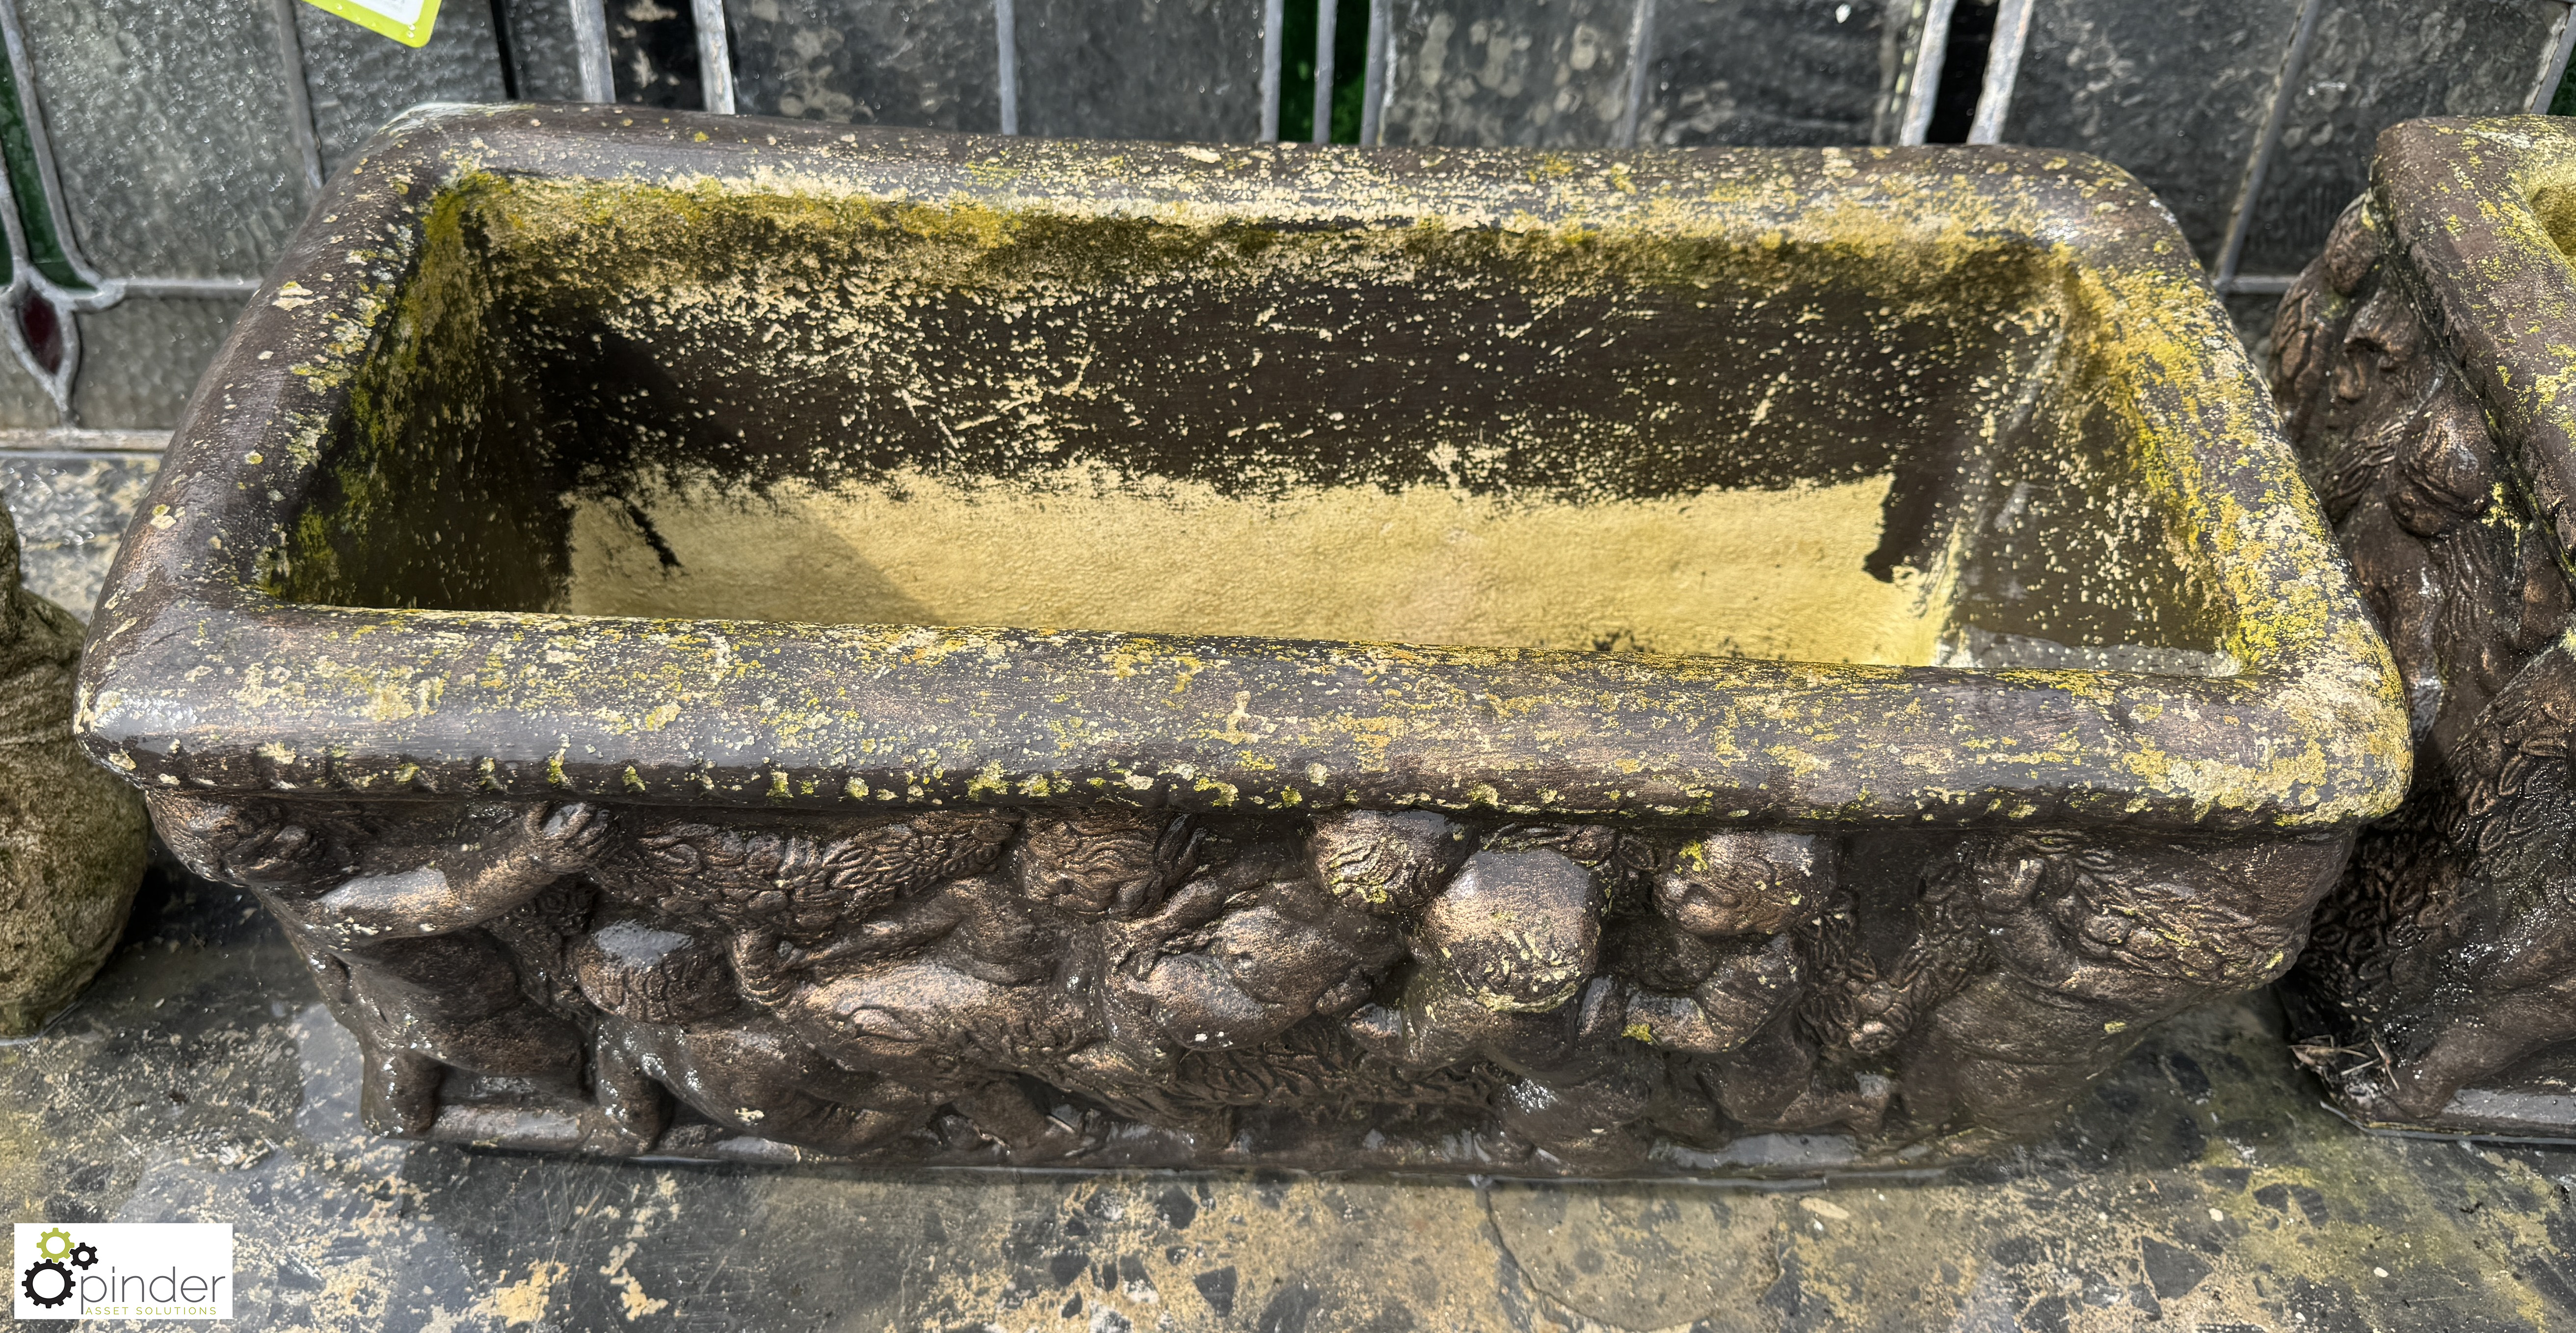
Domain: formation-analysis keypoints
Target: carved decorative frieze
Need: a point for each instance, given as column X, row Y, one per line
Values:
column 2440, row 987
column 1125, row 985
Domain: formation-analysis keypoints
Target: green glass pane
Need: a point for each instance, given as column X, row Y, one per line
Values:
column 44, row 247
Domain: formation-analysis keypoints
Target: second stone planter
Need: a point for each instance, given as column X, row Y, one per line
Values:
column 723, row 638
column 2424, row 365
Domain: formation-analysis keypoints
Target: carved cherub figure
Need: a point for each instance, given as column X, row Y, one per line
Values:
column 965, row 979
column 2400, row 453
column 673, row 1022
column 2446, row 946
column 1718, row 938
column 796, row 877
column 1392, row 862
column 983, row 977
column 1507, row 954
column 1114, row 863
column 1238, row 956
column 2087, row 942
column 387, row 917
column 1721, row 968
column 2501, row 986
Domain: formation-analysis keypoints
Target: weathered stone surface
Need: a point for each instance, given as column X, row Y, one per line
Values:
column 1152, row 69
column 2422, row 364
column 359, row 79
column 932, row 63
column 2372, row 64
column 72, row 837
column 2176, row 91
column 1179, row 885
column 1773, row 72
column 1536, row 73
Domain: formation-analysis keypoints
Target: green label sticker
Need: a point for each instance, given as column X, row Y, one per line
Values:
column 406, row 21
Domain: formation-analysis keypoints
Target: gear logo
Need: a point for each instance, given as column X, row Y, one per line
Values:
column 48, row 1281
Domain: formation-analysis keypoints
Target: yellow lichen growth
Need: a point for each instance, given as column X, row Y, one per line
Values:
column 1757, row 356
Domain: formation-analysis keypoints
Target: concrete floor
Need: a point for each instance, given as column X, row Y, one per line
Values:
column 2200, row 1188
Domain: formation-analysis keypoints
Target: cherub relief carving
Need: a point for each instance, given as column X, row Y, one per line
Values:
column 1753, row 929
column 2499, row 984
column 1051, row 984
column 1507, row 972
column 2437, row 964
column 673, row 1022
column 2090, row 942
column 384, row 906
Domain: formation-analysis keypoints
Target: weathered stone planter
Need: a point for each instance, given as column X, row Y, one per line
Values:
column 2423, row 364
column 1607, row 663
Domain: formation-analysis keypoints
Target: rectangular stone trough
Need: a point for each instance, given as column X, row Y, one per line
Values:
column 2424, row 364
column 726, row 638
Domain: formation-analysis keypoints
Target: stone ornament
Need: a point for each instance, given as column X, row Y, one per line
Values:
column 2417, row 363
column 1139, row 987
column 72, row 837
column 495, row 623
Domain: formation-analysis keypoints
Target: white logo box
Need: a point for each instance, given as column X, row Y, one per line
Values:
column 122, row 1270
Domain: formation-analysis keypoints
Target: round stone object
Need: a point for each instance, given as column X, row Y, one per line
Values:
column 72, row 838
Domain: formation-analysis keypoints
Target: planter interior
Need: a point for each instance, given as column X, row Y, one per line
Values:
column 982, row 651
column 628, row 400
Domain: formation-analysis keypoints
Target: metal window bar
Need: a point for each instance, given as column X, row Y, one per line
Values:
column 2553, row 67
column 1274, row 22
column 1379, row 81
column 1374, row 84
column 2241, row 224
column 2003, row 66
column 1995, row 90
column 505, row 41
column 1931, row 50
column 300, row 129
column 1006, row 41
column 1641, row 37
column 715, row 56
column 1327, row 17
column 590, row 50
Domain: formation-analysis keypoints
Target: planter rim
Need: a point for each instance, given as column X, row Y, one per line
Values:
column 2457, row 196
column 198, row 679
